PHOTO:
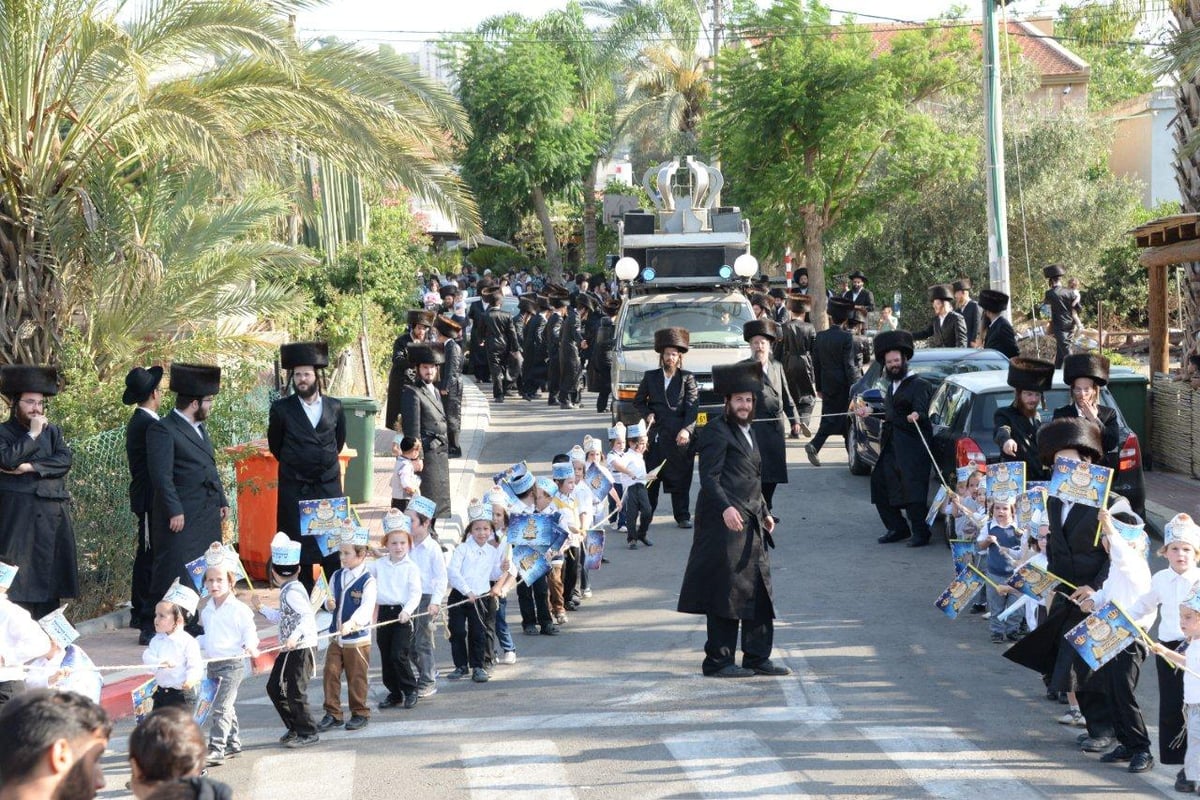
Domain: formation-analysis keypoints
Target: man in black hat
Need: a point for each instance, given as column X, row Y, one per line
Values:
column 600, row 364
column 1061, row 302
column 668, row 399
column 189, row 500
column 1016, row 425
column 947, row 328
column 445, row 335
column 1084, row 374
column 858, row 293
column 533, row 345
column 36, row 532
column 835, row 367
column 900, row 480
column 141, row 390
column 551, row 335
column 773, row 406
column 969, row 309
column 424, row 418
column 572, row 345
column 728, row 574
column 797, row 337
column 778, row 308
column 998, row 333
column 400, row 374
column 306, row 431
column 499, row 340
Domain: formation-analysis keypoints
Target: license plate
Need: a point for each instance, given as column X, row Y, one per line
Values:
column 701, row 417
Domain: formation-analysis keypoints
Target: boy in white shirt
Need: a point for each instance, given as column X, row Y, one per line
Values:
column 398, row 595
column 21, row 638
column 426, row 553
column 406, row 484
column 473, row 568
column 621, row 479
column 1189, row 625
column 636, row 503
column 173, row 651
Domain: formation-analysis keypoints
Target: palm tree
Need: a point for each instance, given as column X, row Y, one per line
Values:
column 89, row 94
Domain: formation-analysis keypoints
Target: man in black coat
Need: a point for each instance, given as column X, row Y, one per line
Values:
column 477, row 352
column 533, row 346
column 142, row 391
column 36, row 531
column 423, row 416
column 900, row 480
column 1016, row 425
column 189, row 500
column 400, row 374
column 947, row 328
column 499, row 339
column 668, row 398
column 772, row 406
column 968, row 308
column 551, row 335
column 1061, row 303
column 600, row 366
column 305, row 432
column 570, row 347
column 835, row 367
column 797, row 337
column 998, row 333
column 445, row 335
column 728, row 574
column 1084, row 374
column 858, row 293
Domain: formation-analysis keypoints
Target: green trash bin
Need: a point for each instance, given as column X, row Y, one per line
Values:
column 1131, row 391
column 360, row 435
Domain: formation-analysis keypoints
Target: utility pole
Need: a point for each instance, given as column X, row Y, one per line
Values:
column 997, row 207
column 717, row 31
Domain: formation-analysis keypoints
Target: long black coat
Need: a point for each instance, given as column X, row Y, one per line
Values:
column 950, row 332
column 901, row 476
column 674, row 409
column 999, row 335
column 863, row 298
column 551, row 335
column 794, row 352
column 308, row 462
column 772, row 408
column 141, row 491
column 1061, row 302
column 36, row 531
column 533, row 345
column 1009, row 423
column 570, row 363
column 450, row 382
column 424, row 417
column 183, row 470
column 972, row 315
column 399, row 376
column 599, row 375
column 727, row 569
column 1110, row 430
column 835, row 368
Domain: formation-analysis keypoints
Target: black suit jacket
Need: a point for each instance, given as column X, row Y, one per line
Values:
column 950, row 332
column 835, row 366
column 183, row 469
column 1062, row 306
column 499, row 331
column 141, row 491
column 306, row 454
column 1009, row 423
column 863, row 298
column 972, row 315
column 999, row 335
column 1071, row 549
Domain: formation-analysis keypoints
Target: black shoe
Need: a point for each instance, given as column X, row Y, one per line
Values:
column 893, row 536
column 1013, row 637
column 1182, row 784
column 633, row 545
column 459, row 673
column 997, row 638
column 480, row 675
column 497, row 399
column 135, row 621
column 530, row 630
column 1118, row 753
column 304, row 741
column 1142, row 761
column 410, row 699
column 647, row 542
column 731, row 671
column 1051, row 695
column 979, row 608
column 1099, row 745
column 329, row 721
column 455, row 452
column 917, row 543
column 572, row 605
column 811, row 452
column 357, row 723
column 550, row 629
column 390, row 702
column 288, row 738
column 1062, row 699
column 769, row 667
column 684, row 523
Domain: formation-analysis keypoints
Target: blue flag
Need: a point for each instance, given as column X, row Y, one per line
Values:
column 206, row 693
column 1100, row 637
column 531, row 564
column 599, row 480
column 593, row 549
column 532, row 530
column 959, row 593
column 323, row 515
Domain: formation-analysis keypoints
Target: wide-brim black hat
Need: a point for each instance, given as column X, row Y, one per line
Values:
column 679, row 338
column 612, row 306
column 449, row 290
column 760, row 327
column 777, row 293
column 584, row 300
column 1030, row 374
column 758, row 299
column 17, row 379
column 839, row 308
column 744, row 376
column 419, row 316
column 857, row 274
column 421, row 353
column 993, row 301
column 446, row 326
column 1085, row 365
column 941, row 292
column 887, row 341
column 961, row 285
column 527, row 305
column 140, row 383
column 799, row 303
column 1053, row 271
column 195, row 380
column 1068, row 433
column 796, row 273
column 304, row 354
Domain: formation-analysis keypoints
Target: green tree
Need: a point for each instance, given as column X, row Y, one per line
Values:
column 531, row 140
column 818, row 132
column 1104, row 35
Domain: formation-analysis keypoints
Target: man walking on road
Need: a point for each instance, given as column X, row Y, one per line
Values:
column 728, row 574
column 835, row 367
column 141, row 388
column 1061, row 303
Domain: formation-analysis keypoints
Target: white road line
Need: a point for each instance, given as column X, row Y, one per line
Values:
column 945, row 764
column 292, row 775
column 523, row 765
column 801, row 688
column 731, row 764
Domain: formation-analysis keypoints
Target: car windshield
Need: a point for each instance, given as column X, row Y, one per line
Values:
column 710, row 324
column 986, row 404
column 936, row 371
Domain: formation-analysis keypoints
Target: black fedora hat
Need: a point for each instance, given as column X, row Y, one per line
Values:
column 140, row 383
column 941, row 292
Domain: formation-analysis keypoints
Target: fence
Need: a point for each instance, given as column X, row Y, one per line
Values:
column 1175, row 428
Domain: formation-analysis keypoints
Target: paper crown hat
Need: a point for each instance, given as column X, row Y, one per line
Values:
column 637, row 430
column 617, row 431
column 396, row 520
column 218, row 555
column 183, row 596
column 592, row 445
column 522, row 483
column 562, row 471
column 357, row 535
column 547, row 486
column 479, row 512
column 55, row 624
column 497, row 497
column 423, row 506
column 1182, row 528
column 284, row 551
column 577, row 453
column 8, row 573
column 1192, row 600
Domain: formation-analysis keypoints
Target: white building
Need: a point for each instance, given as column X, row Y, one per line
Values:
column 1144, row 146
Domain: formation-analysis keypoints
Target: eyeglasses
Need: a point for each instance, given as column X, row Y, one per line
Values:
column 1082, row 389
column 28, row 403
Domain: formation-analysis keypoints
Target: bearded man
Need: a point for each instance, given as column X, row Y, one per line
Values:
column 1016, row 425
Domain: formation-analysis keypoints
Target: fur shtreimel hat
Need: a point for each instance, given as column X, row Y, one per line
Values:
column 887, row 341
column 993, row 301
column 679, row 338
column 760, row 327
column 304, row 354
column 16, row 379
column 1030, row 374
column 195, row 380
column 417, row 316
column 745, row 376
column 419, row 353
column 1068, row 433
column 1085, row 365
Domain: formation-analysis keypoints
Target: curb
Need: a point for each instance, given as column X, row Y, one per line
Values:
column 112, row 621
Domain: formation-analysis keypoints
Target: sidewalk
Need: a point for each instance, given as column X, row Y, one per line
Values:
column 108, row 641
column 1168, row 494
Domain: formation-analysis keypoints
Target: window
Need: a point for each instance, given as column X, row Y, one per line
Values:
column 710, row 324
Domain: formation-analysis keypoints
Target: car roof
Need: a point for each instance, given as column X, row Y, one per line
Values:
column 997, row 380
column 702, row 298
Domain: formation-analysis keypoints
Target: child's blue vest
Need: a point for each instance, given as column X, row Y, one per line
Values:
column 347, row 604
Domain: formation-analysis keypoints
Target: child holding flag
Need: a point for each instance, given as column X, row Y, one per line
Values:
column 1189, row 625
column 352, row 601
column 173, row 651
column 616, row 459
column 1002, row 544
column 426, row 553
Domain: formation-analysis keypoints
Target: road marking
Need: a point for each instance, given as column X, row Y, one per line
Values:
column 522, row 765
column 292, row 775
column 732, row 764
column 801, row 688
column 962, row 770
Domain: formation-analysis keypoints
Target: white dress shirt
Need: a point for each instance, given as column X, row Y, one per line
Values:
column 398, row 583
column 153, row 414
column 228, row 628
column 21, row 640
column 473, row 567
column 432, row 565
column 181, row 651
column 1168, row 589
column 312, row 410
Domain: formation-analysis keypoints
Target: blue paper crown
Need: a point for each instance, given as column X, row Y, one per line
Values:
column 547, row 486
column 562, row 471
column 423, row 506
column 284, row 551
column 522, row 484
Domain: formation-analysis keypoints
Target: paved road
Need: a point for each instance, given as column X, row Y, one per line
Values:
column 889, row 698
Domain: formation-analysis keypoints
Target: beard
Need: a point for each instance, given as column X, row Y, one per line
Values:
column 307, row 393
column 201, row 414
column 897, row 373
column 736, row 417
column 78, row 784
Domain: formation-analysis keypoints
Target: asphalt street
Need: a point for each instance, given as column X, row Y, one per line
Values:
column 889, row 698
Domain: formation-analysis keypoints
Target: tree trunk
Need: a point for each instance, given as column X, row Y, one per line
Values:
column 553, row 255
column 1187, row 167
column 589, row 217
column 814, row 258
column 31, row 299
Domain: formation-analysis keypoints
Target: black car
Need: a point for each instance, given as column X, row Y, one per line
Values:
column 962, row 413
column 934, row 364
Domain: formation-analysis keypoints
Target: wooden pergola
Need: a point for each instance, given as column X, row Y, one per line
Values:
column 1165, row 242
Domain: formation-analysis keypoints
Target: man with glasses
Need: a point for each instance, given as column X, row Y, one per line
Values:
column 36, row 532
column 1084, row 374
